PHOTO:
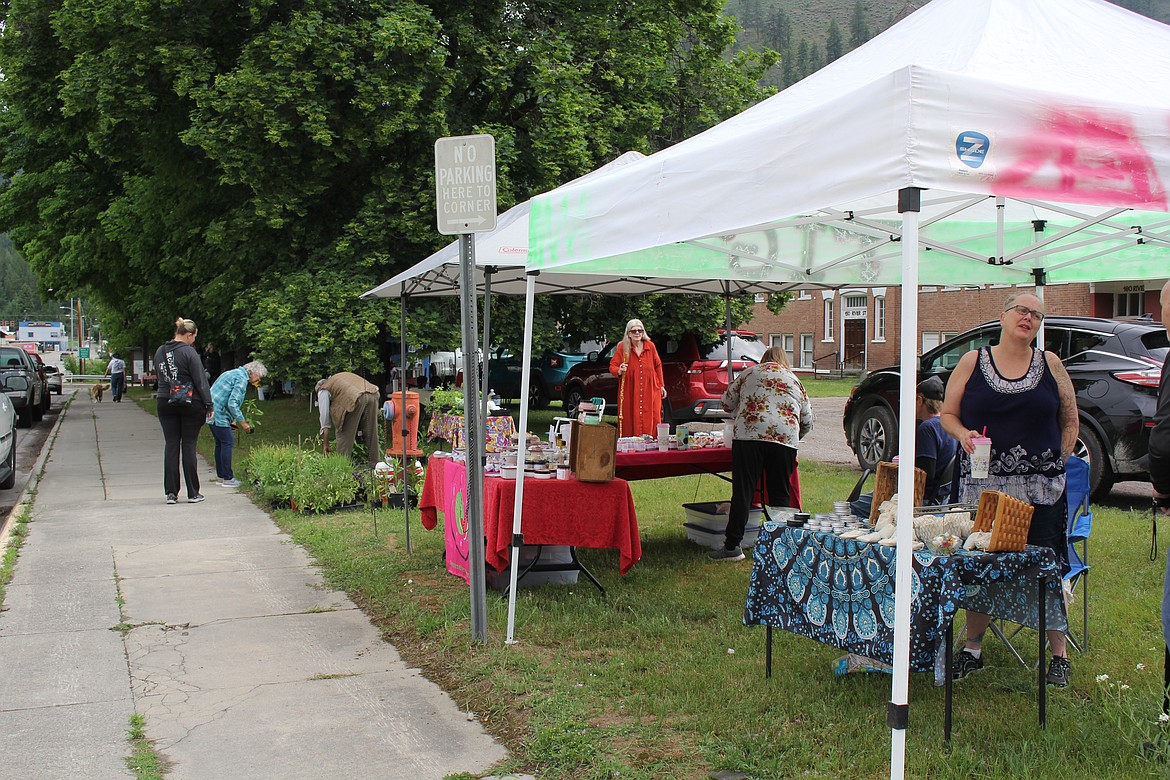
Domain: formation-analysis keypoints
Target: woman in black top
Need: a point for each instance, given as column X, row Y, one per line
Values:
column 181, row 423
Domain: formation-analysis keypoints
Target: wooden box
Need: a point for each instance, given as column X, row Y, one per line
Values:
column 593, row 452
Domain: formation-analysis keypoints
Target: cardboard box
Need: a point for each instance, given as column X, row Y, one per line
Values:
column 593, row 452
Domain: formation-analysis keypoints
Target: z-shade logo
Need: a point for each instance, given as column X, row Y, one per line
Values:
column 972, row 147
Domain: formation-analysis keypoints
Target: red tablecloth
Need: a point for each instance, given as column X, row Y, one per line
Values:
column 673, row 463
column 556, row 512
column 677, row 463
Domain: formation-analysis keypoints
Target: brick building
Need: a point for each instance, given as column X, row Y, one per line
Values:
column 859, row 328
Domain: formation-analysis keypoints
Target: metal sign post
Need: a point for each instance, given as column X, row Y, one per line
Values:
column 465, row 194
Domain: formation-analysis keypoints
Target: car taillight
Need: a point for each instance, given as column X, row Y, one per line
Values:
column 554, row 362
column 1146, row 378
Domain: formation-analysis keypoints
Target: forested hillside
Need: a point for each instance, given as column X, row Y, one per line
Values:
column 812, row 33
column 19, row 299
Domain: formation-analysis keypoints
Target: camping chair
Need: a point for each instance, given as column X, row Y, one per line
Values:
column 1079, row 524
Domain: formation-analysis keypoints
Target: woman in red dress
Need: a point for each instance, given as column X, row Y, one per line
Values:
column 636, row 364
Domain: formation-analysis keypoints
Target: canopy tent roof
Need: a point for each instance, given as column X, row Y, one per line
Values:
column 1061, row 108
column 504, row 251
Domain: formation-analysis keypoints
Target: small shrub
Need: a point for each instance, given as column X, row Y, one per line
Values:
column 324, row 482
column 309, row 480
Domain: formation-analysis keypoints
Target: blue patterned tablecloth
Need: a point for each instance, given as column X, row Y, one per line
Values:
column 841, row 592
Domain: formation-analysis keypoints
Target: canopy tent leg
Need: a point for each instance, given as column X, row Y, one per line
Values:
column 909, row 204
column 402, row 419
column 525, row 381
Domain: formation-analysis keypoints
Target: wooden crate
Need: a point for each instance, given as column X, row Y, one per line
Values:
column 886, row 485
column 593, row 452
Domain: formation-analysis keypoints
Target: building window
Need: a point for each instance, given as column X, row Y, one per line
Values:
column 879, row 319
column 760, row 298
column 1127, row 304
column 788, row 342
column 929, row 341
column 829, row 319
column 806, row 351
column 804, row 295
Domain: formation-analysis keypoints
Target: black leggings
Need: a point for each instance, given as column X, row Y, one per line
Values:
column 181, row 426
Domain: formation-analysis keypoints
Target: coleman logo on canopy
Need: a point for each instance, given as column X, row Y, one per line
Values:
column 972, row 148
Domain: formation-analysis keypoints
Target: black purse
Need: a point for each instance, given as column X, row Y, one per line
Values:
column 178, row 393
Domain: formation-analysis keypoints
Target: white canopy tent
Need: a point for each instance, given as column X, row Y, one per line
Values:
column 976, row 141
column 500, row 258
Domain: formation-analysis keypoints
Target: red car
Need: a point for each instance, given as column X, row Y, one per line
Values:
column 694, row 370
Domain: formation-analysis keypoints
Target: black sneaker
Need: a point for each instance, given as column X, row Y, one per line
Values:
column 172, row 498
column 195, row 499
column 723, row 554
column 964, row 664
column 1059, row 670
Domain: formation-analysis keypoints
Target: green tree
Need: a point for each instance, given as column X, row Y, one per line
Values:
column 858, row 26
column 181, row 158
column 834, row 45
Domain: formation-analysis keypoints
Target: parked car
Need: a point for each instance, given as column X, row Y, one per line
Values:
column 694, row 370
column 1114, row 365
column 28, row 400
column 55, row 380
column 547, row 379
column 11, row 382
column 43, row 373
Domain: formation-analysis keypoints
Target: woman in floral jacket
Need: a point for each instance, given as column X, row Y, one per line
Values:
column 772, row 415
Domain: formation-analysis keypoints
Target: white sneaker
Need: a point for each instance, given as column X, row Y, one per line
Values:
column 230, row 483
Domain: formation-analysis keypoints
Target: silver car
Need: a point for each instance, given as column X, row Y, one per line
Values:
column 8, row 430
column 53, row 374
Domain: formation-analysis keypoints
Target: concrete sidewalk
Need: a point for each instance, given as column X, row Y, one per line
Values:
column 206, row 620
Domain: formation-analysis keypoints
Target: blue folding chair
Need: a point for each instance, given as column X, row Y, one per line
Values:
column 1080, row 524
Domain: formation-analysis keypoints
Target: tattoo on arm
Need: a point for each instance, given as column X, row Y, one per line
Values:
column 1068, row 418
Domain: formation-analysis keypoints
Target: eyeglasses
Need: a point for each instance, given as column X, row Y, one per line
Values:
column 1024, row 311
column 636, row 330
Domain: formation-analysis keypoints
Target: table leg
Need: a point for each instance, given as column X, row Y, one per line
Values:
column 768, row 652
column 574, row 564
column 1041, row 687
column 948, row 683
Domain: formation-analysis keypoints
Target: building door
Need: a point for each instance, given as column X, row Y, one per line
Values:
column 854, row 344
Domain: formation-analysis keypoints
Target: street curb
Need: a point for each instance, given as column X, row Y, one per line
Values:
column 34, row 475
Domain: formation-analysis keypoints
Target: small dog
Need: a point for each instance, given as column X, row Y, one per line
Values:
column 98, row 390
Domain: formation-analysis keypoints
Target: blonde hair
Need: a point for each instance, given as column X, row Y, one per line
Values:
column 776, row 355
column 627, row 345
column 185, row 326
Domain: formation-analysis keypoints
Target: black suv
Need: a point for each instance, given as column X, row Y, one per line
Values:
column 28, row 402
column 1114, row 365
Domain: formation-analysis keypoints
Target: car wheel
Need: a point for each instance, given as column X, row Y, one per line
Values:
column 537, row 395
column 24, row 418
column 573, row 398
column 1090, row 449
column 47, row 403
column 9, row 481
column 38, row 412
column 876, row 439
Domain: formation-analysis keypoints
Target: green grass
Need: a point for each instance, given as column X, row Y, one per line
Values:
column 661, row 680
column 144, row 761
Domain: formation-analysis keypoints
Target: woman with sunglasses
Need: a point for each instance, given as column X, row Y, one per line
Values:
column 1024, row 399
column 638, row 368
